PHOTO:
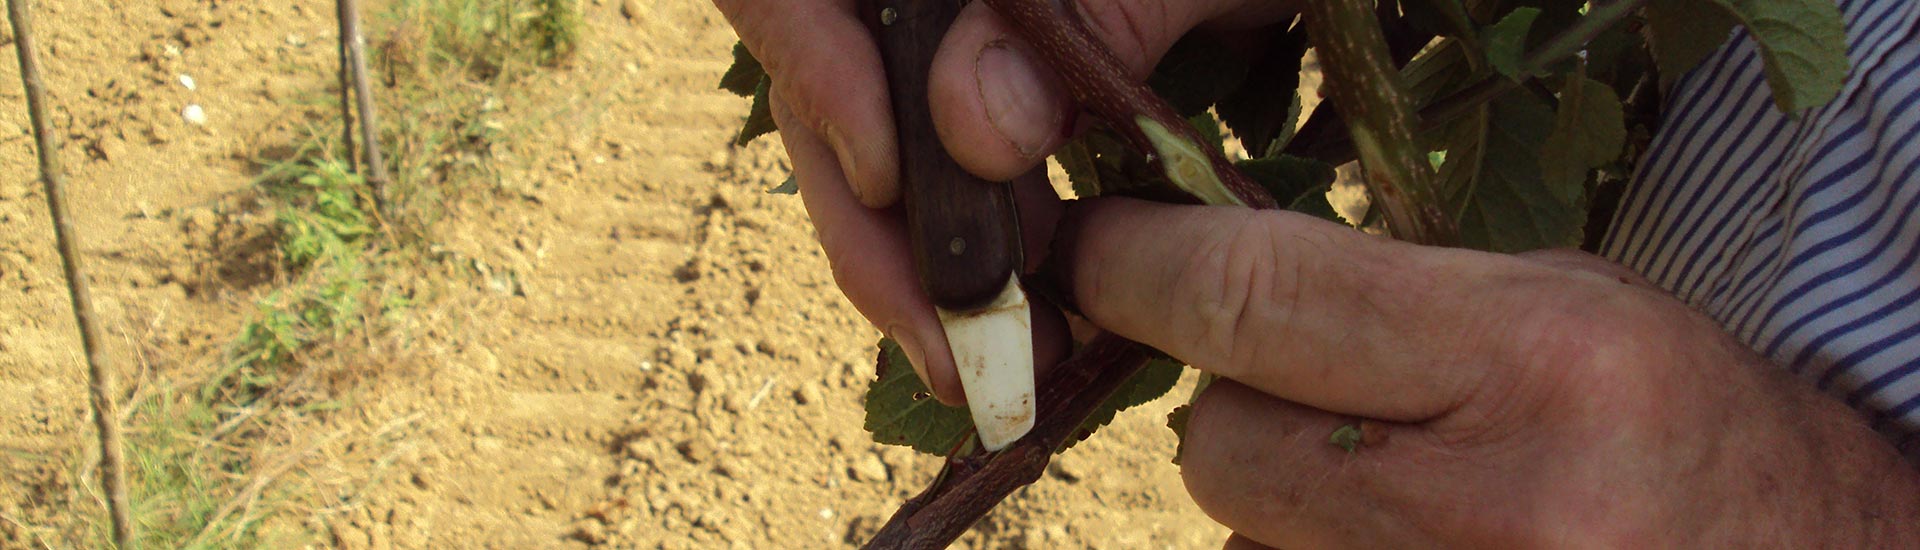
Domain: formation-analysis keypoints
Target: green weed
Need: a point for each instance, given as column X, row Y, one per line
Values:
column 447, row 67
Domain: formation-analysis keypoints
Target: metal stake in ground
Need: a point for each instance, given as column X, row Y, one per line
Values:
column 346, row 93
column 355, row 44
column 112, row 461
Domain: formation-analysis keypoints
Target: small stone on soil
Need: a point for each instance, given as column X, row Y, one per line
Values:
column 697, row 451
column 589, row 531
column 868, row 468
column 194, row 115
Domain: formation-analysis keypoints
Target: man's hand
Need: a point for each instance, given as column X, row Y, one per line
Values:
column 1000, row 113
column 1552, row 399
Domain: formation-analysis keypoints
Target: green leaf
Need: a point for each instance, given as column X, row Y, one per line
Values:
column 1589, row 131
column 1442, row 18
column 1265, row 108
column 1507, row 41
column 1492, row 177
column 901, row 411
column 789, row 187
column 1684, row 32
column 1077, row 159
column 1804, row 43
column 1177, row 421
column 759, row 118
column 1555, row 17
column 1443, row 68
column 1149, row 384
column 1299, row 183
column 1099, row 163
column 1197, row 71
column 744, row 77
column 1619, row 58
column 1209, row 129
column 1178, row 418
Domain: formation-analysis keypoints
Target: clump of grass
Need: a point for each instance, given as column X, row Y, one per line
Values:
column 447, row 66
column 555, row 30
column 481, row 40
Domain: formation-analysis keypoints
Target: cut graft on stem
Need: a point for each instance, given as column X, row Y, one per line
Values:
column 1099, row 82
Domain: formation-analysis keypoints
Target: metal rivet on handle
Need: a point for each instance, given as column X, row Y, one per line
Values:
column 888, row 16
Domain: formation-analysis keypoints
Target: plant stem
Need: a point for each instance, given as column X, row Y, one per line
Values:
column 1600, row 17
column 346, row 92
column 1332, row 146
column 99, row 368
column 356, row 46
column 1365, row 84
column 970, row 486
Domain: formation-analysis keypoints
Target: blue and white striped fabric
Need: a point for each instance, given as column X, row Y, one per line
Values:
column 1800, row 234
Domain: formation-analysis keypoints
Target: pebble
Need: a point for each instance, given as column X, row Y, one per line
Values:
column 589, row 531
column 632, row 10
column 697, row 451
column 868, row 468
column 1051, row 536
column 640, row 449
column 1066, row 469
column 194, row 114
column 899, row 459
column 807, row 394
column 111, row 149
column 187, row 81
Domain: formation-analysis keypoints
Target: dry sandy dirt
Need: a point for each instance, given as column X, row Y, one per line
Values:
column 673, row 369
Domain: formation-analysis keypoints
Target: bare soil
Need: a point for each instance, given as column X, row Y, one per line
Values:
column 657, row 357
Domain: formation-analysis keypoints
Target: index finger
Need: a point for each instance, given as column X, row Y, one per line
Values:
column 825, row 66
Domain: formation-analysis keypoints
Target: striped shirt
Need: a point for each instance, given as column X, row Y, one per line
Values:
column 1800, row 234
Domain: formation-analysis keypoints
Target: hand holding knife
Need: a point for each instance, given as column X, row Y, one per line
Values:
column 963, row 230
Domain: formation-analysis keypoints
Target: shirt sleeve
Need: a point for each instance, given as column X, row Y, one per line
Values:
column 1798, row 233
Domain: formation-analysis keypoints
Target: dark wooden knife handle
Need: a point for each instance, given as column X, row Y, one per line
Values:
column 964, row 230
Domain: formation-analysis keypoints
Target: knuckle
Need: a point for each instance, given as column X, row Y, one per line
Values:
column 1234, row 288
column 1575, row 355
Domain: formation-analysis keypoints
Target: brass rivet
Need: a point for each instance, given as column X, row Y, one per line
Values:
column 957, row 246
column 888, row 16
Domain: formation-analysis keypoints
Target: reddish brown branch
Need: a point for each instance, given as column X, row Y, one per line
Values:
column 970, row 486
column 1097, row 80
column 113, row 469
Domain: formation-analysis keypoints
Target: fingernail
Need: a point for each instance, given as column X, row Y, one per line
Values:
column 915, row 355
column 1058, row 270
column 1022, row 105
column 847, row 166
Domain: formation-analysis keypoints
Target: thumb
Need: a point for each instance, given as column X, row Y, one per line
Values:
column 999, row 107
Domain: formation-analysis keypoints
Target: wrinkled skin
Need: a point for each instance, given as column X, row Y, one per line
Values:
column 1548, row 399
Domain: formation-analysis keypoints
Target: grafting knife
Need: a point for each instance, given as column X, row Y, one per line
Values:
column 964, row 231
